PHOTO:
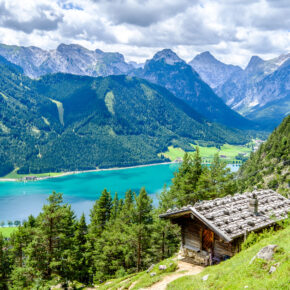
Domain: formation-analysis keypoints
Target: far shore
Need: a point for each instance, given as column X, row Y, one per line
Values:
column 82, row 171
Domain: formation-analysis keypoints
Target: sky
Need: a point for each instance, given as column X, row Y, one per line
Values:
column 232, row 30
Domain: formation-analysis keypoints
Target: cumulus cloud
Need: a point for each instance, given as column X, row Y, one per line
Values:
column 232, row 30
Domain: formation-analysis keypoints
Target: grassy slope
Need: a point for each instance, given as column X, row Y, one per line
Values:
column 237, row 273
column 6, row 232
column 15, row 175
column 142, row 279
column 207, row 153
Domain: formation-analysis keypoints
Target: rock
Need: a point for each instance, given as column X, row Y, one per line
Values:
column 265, row 253
column 272, row 269
column 162, row 267
column 150, row 268
column 204, row 278
column 152, row 274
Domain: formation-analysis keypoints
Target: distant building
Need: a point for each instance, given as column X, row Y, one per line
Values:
column 214, row 230
column 30, row 178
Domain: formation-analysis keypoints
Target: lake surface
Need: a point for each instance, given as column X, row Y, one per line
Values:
column 20, row 199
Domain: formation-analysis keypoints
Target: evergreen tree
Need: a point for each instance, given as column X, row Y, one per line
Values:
column 216, row 181
column 185, row 181
column 100, row 214
column 49, row 250
column 142, row 220
column 78, row 255
column 4, row 263
column 115, row 207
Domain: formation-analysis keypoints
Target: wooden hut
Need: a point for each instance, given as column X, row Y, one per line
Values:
column 214, row 230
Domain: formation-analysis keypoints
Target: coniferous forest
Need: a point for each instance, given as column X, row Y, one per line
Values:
column 122, row 236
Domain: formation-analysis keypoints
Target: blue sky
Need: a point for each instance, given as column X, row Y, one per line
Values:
column 232, row 30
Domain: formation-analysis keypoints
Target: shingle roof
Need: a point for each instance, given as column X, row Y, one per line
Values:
column 231, row 217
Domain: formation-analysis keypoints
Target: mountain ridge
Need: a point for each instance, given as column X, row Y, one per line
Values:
column 168, row 70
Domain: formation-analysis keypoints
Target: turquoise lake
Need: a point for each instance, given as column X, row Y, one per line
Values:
column 20, row 199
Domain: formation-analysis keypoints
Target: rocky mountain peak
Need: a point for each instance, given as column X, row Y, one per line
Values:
column 168, row 56
column 70, row 47
column 205, row 56
column 254, row 62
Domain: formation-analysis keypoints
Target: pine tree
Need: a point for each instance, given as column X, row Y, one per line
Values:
column 100, row 214
column 115, row 207
column 4, row 263
column 216, row 181
column 78, row 254
column 49, row 250
column 185, row 181
column 142, row 220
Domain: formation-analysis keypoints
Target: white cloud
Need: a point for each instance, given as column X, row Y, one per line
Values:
column 232, row 30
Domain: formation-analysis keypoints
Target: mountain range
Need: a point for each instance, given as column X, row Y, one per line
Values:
column 71, row 58
column 168, row 70
column 260, row 92
column 65, row 122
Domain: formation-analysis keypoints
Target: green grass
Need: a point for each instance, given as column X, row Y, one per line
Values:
column 15, row 175
column 60, row 110
column 227, row 151
column 236, row 273
column 142, row 279
column 6, row 232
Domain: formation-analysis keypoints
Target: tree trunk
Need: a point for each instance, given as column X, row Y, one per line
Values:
column 139, row 254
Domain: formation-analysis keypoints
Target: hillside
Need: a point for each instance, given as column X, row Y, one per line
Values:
column 79, row 122
column 269, row 166
column 237, row 273
column 168, row 70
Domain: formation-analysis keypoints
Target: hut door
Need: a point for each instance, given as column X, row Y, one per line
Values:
column 207, row 239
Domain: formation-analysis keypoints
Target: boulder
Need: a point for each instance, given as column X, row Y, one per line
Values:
column 150, row 268
column 162, row 267
column 265, row 253
column 272, row 269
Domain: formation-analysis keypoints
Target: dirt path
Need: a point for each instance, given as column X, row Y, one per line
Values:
column 182, row 266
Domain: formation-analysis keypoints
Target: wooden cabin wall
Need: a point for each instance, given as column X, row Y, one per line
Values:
column 191, row 230
column 191, row 233
column 221, row 248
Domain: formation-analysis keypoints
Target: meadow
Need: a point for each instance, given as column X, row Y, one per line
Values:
column 233, row 154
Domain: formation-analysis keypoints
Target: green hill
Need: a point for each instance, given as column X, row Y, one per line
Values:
column 66, row 122
column 235, row 273
column 269, row 166
column 238, row 273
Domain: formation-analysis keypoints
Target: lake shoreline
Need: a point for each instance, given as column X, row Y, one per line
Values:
column 21, row 179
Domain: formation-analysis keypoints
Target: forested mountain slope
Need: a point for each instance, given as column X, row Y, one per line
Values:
column 269, row 166
column 68, row 122
column 168, row 70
